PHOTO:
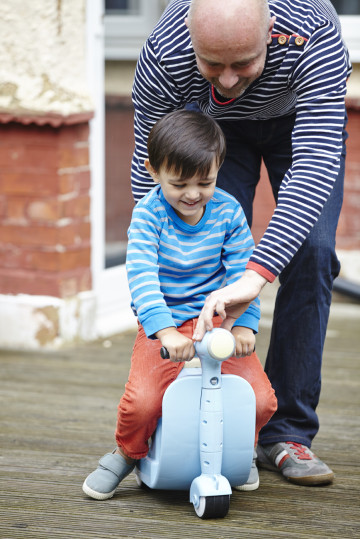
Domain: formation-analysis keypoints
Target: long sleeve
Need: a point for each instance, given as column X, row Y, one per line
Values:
column 319, row 81
column 143, row 272
column 237, row 248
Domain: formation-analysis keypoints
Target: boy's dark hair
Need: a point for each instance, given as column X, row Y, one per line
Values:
column 186, row 142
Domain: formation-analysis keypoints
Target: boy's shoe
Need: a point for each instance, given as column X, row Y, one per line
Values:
column 253, row 481
column 296, row 462
column 101, row 484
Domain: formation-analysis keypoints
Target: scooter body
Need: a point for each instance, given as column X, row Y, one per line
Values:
column 204, row 440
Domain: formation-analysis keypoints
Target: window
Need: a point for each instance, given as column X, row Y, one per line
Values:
column 347, row 7
column 127, row 25
column 122, row 7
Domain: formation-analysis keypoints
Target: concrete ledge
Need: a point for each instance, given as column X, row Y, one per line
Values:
column 38, row 322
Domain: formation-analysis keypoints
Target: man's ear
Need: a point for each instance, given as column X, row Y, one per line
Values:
column 151, row 171
column 271, row 27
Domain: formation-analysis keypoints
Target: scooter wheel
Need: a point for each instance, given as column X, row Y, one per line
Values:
column 213, row 506
column 139, row 481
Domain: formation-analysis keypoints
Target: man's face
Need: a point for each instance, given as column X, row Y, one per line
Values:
column 231, row 64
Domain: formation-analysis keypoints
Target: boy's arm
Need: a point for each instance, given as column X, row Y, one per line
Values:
column 143, row 272
column 143, row 275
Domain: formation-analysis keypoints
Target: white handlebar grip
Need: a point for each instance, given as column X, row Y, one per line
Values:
column 221, row 345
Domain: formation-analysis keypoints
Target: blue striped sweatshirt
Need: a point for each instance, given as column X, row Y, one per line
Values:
column 305, row 76
column 172, row 266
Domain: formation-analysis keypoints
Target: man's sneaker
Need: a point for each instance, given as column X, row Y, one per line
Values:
column 253, row 481
column 296, row 462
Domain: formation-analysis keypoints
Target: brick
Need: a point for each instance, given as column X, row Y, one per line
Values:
column 60, row 261
column 16, row 209
column 75, row 282
column 76, row 207
column 28, row 183
column 67, row 183
column 68, row 287
column 14, row 133
column 24, row 235
column 44, row 283
column 30, row 158
column 71, row 181
column 83, row 180
column 44, row 210
column 74, row 233
column 24, row 282
column 12, row 257
column 70, row 157
column 54, row 209
column 3, row 206
column 73, row 134
column 85, row 280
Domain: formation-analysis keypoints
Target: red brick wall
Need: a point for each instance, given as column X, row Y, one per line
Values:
column 119, row 146
column 44, row 209
column 348, row 234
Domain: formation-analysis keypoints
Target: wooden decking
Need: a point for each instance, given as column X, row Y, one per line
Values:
column 57, row 418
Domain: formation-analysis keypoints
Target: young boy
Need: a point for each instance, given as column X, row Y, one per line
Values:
column 186, row 239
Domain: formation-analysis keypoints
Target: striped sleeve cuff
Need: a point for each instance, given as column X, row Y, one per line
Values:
column 261, row 270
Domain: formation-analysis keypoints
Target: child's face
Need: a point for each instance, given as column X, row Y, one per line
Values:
column 188, row 197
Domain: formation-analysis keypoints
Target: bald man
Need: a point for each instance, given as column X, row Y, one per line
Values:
column 273, row 74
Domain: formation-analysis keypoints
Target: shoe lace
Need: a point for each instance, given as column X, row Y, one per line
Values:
column 301, row 451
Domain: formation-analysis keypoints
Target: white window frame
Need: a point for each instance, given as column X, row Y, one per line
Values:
column 110, row 287
column 126, row 34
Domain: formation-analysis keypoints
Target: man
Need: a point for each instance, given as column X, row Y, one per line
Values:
column 273, row 74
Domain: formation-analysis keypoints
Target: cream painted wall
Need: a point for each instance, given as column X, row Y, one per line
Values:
column 42, row 57
column 119, row 76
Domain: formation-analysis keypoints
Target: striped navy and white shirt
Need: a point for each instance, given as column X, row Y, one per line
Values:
column 309, row 79
column 172, row 266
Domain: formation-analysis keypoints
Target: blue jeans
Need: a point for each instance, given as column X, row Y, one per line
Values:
column 302, row 306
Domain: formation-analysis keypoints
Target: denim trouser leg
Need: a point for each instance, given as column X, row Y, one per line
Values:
column 303, row 301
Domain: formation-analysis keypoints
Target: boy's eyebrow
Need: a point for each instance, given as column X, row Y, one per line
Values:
column 201, row 179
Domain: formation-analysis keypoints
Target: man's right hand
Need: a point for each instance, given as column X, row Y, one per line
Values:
column 229, row 302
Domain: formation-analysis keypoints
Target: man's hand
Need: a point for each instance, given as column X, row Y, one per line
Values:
column 245, row 341
column 180, row 348
column 229, row 302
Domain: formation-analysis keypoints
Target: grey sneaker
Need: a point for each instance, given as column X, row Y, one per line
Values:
column 296, row 462
column 253, row 481
column 101, row 483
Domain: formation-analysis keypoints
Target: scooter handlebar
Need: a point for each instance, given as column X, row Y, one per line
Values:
column 164, row 353
column 218, row 344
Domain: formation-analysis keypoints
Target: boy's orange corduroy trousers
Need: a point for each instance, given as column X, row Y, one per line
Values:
column 150, row 375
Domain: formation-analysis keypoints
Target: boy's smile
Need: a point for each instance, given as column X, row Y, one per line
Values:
column 188, row 196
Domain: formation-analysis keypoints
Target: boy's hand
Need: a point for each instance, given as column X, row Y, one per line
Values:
column 180, row 348
column 245, row 341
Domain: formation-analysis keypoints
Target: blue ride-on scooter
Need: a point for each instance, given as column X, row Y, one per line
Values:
column 205, row 439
